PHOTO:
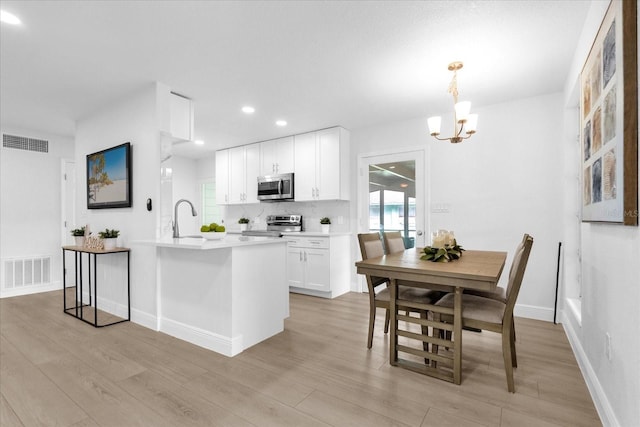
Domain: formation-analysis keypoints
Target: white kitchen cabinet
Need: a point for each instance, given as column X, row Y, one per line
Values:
column 318, row 266
column 276, row 156
column 244, row 168
column 321, row 165
column 222, row 177
column 181, row 117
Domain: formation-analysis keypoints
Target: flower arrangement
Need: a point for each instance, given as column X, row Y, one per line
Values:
column 243, row 220
column 444, row 254
column 77, row 232
column 109, row 234
column 325, row 220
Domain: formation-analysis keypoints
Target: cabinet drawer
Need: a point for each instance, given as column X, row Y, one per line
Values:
column 308, row 242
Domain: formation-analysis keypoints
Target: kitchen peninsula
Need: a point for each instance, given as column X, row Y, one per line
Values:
column 224, row 295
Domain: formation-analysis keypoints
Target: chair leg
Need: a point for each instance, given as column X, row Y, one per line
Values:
column 372, row 319
column 425, row 331
column 436, row 333
column 386, row 321
column 506, row 354
column 514, row 359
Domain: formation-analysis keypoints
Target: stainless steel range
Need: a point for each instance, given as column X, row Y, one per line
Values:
column 276, row 224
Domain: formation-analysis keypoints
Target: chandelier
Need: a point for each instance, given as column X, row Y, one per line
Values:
column 463, row 121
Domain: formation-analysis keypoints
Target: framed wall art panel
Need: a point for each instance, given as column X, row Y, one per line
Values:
column 609, row 120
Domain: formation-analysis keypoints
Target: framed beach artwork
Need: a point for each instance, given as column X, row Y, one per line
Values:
column 609, row 120
column 109, row 178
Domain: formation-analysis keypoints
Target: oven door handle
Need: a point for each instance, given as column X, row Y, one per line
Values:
column 280, row 187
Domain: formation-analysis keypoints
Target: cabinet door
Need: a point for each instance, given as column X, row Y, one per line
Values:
column 236, row 175
column 317, row 269
column 252, row 170
column 222, row 177
column 284, row 155
column 268, row 157
column 295, row 267
column 328, row 165
column 181, row 120
column 305, row 166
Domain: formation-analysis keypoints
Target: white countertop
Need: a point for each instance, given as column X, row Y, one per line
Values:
column 229, row 241
column 315, row 234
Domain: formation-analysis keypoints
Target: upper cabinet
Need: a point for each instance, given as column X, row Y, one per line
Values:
column 321, row 165
column 244, row 168
column 181, row 117
column 222, row 177
column 319, row 160
column 276, row 156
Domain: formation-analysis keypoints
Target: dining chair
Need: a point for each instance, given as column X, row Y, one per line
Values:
column 379, row 295
column 491, row 314
column 393, row 242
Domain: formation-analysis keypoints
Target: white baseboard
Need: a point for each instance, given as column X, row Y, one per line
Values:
column 533, row 312
column 27, row 290
column 209, row 340
column 600, row 400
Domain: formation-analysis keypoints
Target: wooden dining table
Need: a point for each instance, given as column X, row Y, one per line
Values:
column 479, row 270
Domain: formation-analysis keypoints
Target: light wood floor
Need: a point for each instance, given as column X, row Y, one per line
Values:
column 57, row 370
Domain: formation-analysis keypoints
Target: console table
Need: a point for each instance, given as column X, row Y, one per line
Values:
column 79, row 308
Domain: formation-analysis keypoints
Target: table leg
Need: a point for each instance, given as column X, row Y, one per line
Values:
column 393, row 323
column 457, row 334
column 64, row 282
column 95, row 283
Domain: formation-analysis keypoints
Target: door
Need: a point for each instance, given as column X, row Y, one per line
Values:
column 222, row 177
column 295, row 266
column 252, row 170
column 305, row 165
column 68, row 194
column 317, row 269
column 328, row 172
column 391, row 195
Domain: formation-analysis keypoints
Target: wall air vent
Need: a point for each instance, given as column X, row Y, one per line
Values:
column 24, row 143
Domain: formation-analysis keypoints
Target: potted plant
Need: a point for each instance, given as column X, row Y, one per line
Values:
column 325, row 223
column 109, row 238
column 78, row 234
column 244, row 223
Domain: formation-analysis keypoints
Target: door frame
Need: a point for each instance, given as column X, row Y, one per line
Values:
column 423, row 181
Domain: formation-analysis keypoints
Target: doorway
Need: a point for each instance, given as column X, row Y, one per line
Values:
column 391, row 195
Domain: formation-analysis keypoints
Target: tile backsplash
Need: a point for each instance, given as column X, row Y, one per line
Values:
column 337, row 211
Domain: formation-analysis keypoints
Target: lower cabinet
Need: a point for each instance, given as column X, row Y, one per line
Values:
column 318, row 266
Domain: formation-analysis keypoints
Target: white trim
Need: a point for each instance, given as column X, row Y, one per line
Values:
column 144, row 319
column 220, row 344
column 598, row 395
column 28, row 290
column 533, row 312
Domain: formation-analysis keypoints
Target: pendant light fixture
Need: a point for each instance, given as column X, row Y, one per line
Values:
column 463, row 121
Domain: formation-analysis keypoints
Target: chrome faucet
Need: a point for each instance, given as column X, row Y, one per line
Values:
column 176, row 231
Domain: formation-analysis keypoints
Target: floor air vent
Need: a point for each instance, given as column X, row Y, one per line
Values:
column 21, row 272
column 24, row 143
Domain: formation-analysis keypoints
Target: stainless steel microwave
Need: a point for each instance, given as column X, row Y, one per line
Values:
column 275, row 188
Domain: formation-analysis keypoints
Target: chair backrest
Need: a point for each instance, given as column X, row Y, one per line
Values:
column 393, row 242
column 520, row 260
column 371, row 247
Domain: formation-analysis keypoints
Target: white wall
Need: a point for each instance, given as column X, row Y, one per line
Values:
column 134, row 120
column 610, row 287
column 30, row 200
column 185, row 186
column 500, row 184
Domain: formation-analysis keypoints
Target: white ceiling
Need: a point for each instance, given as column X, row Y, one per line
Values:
column 313, row 63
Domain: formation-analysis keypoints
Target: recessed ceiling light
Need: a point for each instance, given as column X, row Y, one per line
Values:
column 9, row 18
column 198, row 142
column 281, row 123
column 248, row 109
column 392, row 167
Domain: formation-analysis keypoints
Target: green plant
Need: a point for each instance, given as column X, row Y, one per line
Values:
column 325, row 220
column 109, row 234
column 77, row 232
column 243, row 221
column 445, row 254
